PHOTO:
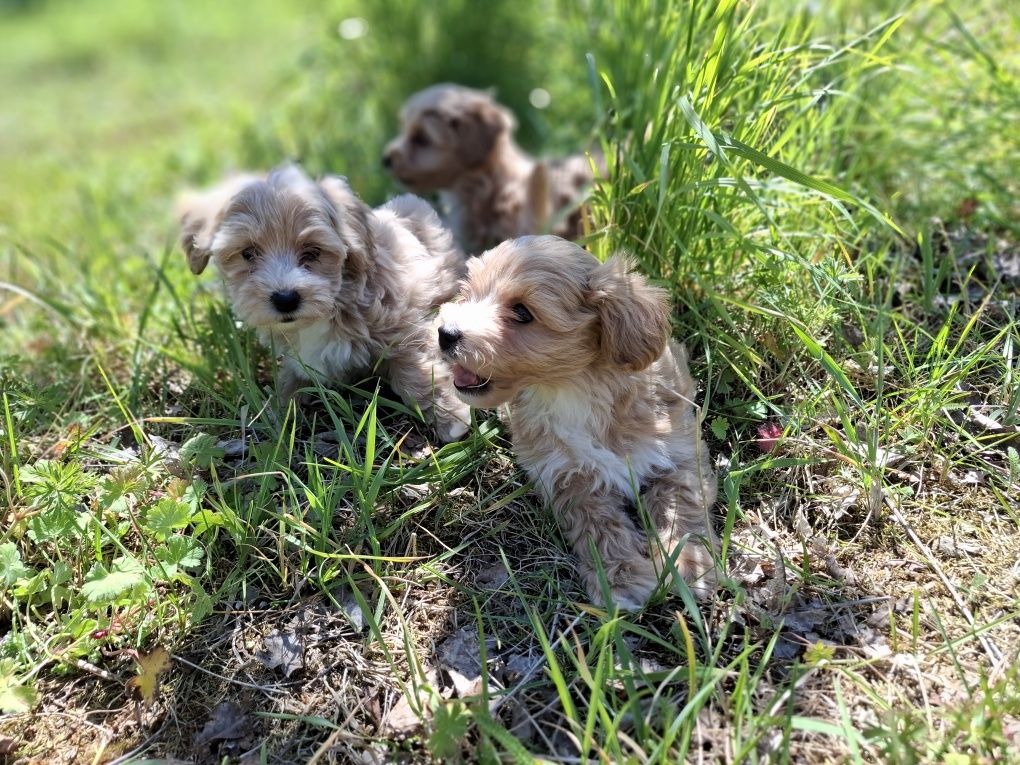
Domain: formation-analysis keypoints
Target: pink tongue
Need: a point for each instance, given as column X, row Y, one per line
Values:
column 462, row 378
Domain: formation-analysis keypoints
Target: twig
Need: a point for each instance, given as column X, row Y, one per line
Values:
column 264, row 688
column 496, row 703
column 128, row 756
column 990, row 648
column 340, row 730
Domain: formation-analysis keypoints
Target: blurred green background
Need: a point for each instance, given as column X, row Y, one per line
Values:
column 144, row 95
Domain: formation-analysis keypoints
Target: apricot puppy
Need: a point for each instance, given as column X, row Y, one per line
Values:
column 600, row 407
column 459, row 141
column 342, row 289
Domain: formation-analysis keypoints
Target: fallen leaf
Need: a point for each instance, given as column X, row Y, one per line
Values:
column 234, row 448
column 954, row 547
column 150, row 666
column 350, row 607
column 283, row 651
column 521, row 723
column 226, row 723
column 967, row 207
column 403, row 717
column 492, row 578
column 747, row 569
column 464, row 686
column 785, row 650
column 325, row 444
column 461, row 652
column 8, row 746
column 802, row 622
column 853, row 334
column 517, row 666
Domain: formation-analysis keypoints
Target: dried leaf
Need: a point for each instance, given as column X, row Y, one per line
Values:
column 145, row 684
column 461, row 652
column 283, row 651
column 464, row 686
column 517, row 666
column 786, row 649
column 226, row 723
column 8, row 746
column 350, row 607
column 234, row 448
column 402, row 716
column 953, row 547
column 803, row 622
column 492, row 578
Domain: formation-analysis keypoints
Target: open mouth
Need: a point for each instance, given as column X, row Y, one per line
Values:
column 287, row 319
column 467, row 381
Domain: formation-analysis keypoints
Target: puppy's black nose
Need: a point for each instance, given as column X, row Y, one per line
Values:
column 285, row 302
column 387, row 160
column 449, row 337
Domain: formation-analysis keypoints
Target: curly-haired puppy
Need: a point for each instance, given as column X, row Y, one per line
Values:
column 459, row 141
column 600, row 406
column 343, row 289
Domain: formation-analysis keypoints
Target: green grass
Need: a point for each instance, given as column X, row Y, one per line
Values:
column 828, row 193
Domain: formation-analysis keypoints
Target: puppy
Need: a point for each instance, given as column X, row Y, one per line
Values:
column 458, row 141
column 599, row 406
column 342, row 289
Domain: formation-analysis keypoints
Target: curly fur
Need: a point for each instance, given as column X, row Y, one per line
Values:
column 459, row 142
column 343, row 289
column 600, row 406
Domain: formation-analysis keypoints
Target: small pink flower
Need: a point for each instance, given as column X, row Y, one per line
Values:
column 769, row 434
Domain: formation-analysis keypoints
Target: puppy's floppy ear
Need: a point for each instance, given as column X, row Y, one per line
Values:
column 200, row 214
column 478, row 127
column 634, row 315
column 352, row 221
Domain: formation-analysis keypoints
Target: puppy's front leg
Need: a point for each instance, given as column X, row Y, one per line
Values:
column 291, row 378
column 679, row 504
column 419, row 380
column 596, row 523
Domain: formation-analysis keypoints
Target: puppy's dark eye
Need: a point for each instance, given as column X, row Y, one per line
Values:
column 250, row 253
column 310, row 255
column 420, row 139
column 521, row 314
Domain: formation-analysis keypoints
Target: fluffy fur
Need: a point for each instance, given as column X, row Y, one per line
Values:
column 459, row 142
column 343, row 289
column 600, row 406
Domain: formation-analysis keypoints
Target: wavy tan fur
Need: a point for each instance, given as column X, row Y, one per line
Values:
column 459, row 141
column 367, row 281
column 600, row 407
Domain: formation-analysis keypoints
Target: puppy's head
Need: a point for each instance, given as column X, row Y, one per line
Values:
column 282, row 242
column 446, row 130
column 539, row 310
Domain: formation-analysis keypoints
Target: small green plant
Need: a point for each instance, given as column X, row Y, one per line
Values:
column 827, row 191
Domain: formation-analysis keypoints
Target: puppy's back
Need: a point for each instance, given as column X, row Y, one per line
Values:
column 445, row 261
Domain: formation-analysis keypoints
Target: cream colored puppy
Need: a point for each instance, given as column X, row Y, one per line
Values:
column 600, row 406
column 459, row 141
column 343, row 289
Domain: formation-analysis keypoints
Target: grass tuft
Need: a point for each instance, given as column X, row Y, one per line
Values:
column 828, row 193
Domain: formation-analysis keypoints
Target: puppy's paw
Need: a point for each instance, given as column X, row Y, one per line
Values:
column 630, row 584
column 695, row 563
column 288, row 385
column 452, row 425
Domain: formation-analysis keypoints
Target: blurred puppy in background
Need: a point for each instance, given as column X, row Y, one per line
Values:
column 343, row 289
column 600, row 407
column 459, row 142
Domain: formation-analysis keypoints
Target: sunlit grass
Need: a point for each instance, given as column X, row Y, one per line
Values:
column 775, row 166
